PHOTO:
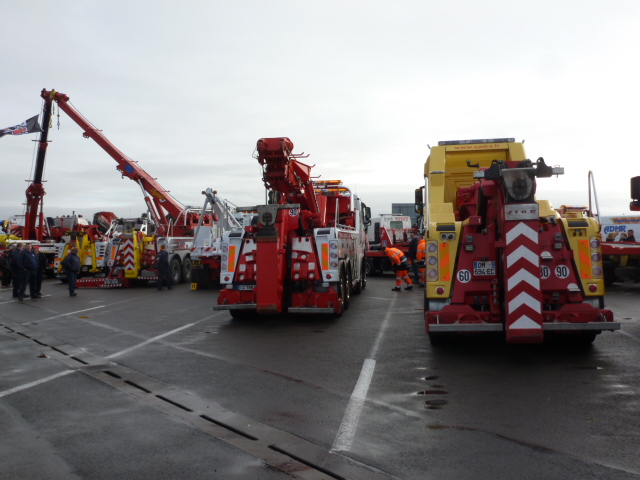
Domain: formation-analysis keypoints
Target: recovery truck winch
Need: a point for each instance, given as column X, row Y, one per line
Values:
column 307, row 252
column 205, row 251
column 498, row 259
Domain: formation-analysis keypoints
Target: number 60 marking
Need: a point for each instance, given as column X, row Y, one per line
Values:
column 464, row 276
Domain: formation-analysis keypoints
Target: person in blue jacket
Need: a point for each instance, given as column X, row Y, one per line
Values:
column 29, row 265
column 71, row 265
column 16, row 269
column 162, row 265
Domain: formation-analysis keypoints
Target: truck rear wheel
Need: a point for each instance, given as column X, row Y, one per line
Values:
column 175, row 270
column 609, row 272
column 581, row 339
column 361, row 284
column 368, row 267
column 440, row 338
column 242, row 314
column 341, row 288
column 187, row 270
column 346, row 281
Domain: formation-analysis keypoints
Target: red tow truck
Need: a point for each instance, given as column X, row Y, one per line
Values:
column 307, row 252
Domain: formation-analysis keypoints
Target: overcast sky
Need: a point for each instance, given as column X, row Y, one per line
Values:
column 187, row 88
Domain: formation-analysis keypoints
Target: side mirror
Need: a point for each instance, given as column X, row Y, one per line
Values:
column 367, row 216
column 635, row 194
column 419, row 200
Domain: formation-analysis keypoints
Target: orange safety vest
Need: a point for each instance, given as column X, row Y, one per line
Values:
column 422, row 245
column 396, row 256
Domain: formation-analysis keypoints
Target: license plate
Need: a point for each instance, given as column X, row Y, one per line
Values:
column 246, row 287
column 484, row 269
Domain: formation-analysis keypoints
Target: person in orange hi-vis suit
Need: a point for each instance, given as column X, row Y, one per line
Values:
column 420, row 256
column 400, row 266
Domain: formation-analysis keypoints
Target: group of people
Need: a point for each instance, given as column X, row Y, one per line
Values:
column 25, row 264
column 627, row 236
column 414, row 259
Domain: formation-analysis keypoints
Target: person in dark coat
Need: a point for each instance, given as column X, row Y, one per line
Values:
column 16, row 269
column 29, row 263
column 630, row 237
column 6, row 268
column 71, row 265
column 162, row 265
column 42, row 269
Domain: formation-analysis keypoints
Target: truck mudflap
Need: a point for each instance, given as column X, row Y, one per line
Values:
column 570, row 317
column 315, row 302
column 301, row 302
column 236, row 299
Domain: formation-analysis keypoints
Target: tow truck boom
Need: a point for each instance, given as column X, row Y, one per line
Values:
column 166, row 211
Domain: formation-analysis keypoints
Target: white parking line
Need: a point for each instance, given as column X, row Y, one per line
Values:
column 63, row 315
column 347, row 430
column 151, row 340
column 630, row 336
column 33, row 384
column 26, row 298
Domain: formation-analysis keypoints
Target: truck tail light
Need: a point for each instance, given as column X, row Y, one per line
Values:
column 432, row 261
column 597, row 271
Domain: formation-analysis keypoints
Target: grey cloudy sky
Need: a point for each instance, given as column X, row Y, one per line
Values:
column 187, row 88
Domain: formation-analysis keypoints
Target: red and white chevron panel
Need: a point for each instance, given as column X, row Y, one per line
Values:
column 128, row 254
column 523, row 296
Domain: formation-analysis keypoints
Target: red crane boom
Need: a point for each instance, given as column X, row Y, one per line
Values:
column 167, row 212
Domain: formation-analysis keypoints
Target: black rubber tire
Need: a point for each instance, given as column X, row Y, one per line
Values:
column 363, row 279
column 242, row 314
column 437, row 339
column 609, row 272
column 175, row 270
column 368, row 267
column 340, row 307
column 347, row 289
column 361, row 284
column 187, row 270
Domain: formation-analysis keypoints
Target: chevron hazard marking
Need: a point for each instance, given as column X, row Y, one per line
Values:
column 524, row 323
column 523, row 252
column 523, row 276
column 525, row 299
column 522, row 229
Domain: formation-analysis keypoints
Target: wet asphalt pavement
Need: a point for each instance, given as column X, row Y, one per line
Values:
column 139, row 384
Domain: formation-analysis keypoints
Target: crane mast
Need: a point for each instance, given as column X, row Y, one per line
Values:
column 35, row 192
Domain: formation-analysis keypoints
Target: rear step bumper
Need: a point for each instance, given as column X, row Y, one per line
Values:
column 236, row 306
column 253, row 306
column 497, row 327
column 311, row 310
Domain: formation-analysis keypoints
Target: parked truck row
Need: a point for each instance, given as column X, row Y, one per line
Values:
column 498, row 259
